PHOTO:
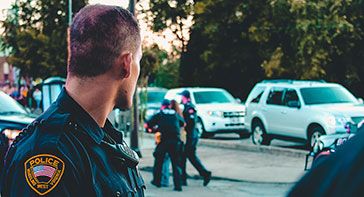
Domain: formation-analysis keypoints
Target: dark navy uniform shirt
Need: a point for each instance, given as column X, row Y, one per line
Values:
column 340, row 174
column 65, row 153
column 169, row 124
column 190, row 116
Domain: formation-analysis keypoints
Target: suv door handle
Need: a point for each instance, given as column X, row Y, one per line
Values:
column 283, row 112
column 264, row 109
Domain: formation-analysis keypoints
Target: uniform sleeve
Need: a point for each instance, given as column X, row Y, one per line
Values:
column 190, row 117
column 44, row 172
column 153, row 121
column 181, row 121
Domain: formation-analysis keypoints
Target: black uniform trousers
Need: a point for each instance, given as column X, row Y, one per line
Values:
column 190, row 154
column 174, row 149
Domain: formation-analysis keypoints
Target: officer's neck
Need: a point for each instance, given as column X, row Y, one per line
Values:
column 93, row 96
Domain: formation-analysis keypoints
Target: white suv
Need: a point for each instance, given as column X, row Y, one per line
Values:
column 217, row 110
column 293, row 109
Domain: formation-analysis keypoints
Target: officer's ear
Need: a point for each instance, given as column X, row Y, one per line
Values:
column 125, row 62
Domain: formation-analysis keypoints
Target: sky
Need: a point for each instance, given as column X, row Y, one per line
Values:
column 5, row 4
column 164, row 40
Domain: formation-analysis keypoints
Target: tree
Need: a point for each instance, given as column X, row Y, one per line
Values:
column 234, row 44
column 158, row 68
column 36, row 33
column 175, row 15
column 321, row 38
column 220, row 52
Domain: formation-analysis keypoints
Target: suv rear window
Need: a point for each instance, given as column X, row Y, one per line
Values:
column 326, row 95
column 205, row 97
column 275, row 97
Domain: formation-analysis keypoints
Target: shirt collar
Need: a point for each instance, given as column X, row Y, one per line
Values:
column 80, row 116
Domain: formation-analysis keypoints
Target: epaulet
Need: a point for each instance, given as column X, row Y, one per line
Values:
column 52, row 124
column 25, row 132
column 168, row 111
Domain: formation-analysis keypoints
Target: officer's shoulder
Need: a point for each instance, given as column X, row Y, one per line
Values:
column 190, row 108
column 44, row 132
column 190, row 105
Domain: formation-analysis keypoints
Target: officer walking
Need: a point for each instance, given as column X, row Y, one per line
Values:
column 169, row 125
column 72, row 149
column 190, row 116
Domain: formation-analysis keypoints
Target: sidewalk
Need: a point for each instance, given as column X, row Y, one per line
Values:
column 236, row 165
column 216, row 188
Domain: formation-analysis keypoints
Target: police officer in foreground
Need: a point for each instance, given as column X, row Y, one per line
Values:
column 190, row 116
column 340, row 174
column 169, row 124
column 72, row 149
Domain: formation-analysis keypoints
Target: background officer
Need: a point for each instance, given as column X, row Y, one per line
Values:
column 72, row 149
column 169, row 125
column 190, row 116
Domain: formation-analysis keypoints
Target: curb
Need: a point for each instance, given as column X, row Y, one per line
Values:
column 218, row 178
column 247, row 147
column 255, row 148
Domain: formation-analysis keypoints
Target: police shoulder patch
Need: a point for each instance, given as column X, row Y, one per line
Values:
column 43, row 172
column 191, row 111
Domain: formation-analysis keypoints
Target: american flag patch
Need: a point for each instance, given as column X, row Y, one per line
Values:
column 43, row 170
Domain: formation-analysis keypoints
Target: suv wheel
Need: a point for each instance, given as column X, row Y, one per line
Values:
column 314, row 135
column 201, row 130
column 259, row 135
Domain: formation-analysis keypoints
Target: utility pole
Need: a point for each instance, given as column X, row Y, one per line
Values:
column 69, row 13
column 69, row 30
column 134, row 143
column 132, row 6
column 16, row 12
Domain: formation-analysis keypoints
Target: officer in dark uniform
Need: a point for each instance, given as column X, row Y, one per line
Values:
column 169, row 124
column 190, row 116
column 4, row 145
column 340, row 174
column 72, row 149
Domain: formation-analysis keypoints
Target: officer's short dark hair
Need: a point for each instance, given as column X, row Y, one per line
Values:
column 186, row 93
column 166, row 102
column 99, row 33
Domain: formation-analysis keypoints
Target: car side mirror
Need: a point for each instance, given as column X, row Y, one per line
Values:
column 294, row 104
column 238, row 100
column 361, row 101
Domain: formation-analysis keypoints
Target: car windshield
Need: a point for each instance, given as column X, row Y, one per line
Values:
column 156, row 96
column 326, row 95
column 9, row 106
column 205, row 97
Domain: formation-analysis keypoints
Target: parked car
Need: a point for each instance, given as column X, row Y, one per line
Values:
column 153, row 97
column 297, row 109
column 13, row 118
column 217, row 110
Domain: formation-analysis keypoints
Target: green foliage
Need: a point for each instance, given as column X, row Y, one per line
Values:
column 158, row 68
column 36, row 33
column 149, row 63
column 167, row 74
column 234, row 44
column 221, row 51
column 171, row 14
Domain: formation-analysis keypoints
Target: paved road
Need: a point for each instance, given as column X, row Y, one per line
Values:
column 217, row 188
column 235, row 172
